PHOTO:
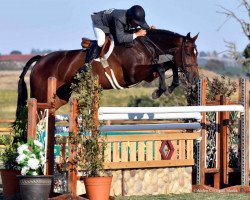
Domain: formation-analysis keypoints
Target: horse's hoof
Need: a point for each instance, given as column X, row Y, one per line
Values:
column 166, row 93
column 156, row 94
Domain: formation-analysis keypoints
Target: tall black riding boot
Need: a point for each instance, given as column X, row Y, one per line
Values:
column 93, row 52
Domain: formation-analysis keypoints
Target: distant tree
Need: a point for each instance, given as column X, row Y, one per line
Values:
column 209, row 54
column 215, row 54
column 246, row 54
column 202, row 54
column 40, row 52
column 245, row 26
column 224, row 56
column 15, row 52
column 215, row 65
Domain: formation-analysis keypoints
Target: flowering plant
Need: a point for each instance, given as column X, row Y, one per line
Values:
column 31, row 157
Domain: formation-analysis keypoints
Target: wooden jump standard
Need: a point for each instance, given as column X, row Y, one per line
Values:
column 218, row 178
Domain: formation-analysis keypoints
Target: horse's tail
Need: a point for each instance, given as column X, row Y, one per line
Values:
column 22, row 88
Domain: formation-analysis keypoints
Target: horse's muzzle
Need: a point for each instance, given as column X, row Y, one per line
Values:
column 193, row 75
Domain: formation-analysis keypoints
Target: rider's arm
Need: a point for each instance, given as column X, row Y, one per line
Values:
column 121, row 35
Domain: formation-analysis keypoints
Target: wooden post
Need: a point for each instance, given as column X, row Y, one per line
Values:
column 73, row 129
column 224, row 153
column 244, row 95
column 51, row 94
column 203, row 133
column 32, row 118
column 217, row 175
column 247, row 91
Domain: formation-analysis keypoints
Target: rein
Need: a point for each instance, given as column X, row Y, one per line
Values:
column 183, row 56
column 156, row 47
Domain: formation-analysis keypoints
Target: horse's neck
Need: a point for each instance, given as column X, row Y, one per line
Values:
column 164, row 41
column 146, row 46
column 137, row 50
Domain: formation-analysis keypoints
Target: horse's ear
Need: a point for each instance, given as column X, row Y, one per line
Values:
column 188, row 36
column 195, row 37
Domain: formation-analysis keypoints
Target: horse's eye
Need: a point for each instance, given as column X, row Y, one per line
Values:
column 188, row 54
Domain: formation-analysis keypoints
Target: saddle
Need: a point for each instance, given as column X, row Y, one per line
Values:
column 107, row 48
column 86, row 43
column 105, row 53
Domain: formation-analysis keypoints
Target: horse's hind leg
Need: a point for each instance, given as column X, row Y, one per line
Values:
column 64, row 92
column 59, row 103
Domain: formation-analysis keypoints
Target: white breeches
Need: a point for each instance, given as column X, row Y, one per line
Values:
column 100, row 36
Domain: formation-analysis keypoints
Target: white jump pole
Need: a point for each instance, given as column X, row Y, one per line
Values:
column 139, row 116
column 143, row 127
column 150, row 116
column 174, row 109
column 140, row 127
column 144, row 113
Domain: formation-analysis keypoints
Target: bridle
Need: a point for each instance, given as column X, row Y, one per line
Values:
column 184, row 64
column 183, row 56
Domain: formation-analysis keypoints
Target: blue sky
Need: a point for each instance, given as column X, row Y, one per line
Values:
column 60, row 24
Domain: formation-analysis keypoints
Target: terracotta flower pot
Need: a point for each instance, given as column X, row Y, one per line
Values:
column 35, row 187
column 98, row 188
column 10, row 182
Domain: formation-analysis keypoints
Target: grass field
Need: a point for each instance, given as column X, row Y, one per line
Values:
column 8, row 94
column 8, row 100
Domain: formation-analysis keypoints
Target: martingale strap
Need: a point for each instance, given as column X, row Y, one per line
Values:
column 110, row 75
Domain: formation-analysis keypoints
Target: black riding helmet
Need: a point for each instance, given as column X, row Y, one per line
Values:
column 137, row 14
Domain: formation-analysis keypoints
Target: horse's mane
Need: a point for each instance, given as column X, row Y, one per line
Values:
column 159, row 32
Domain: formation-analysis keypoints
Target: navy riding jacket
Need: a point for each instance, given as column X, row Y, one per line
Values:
column 114, row 21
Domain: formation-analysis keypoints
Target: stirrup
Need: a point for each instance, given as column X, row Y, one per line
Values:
column 93, row 52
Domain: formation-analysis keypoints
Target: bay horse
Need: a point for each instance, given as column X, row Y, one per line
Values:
column 130, row 65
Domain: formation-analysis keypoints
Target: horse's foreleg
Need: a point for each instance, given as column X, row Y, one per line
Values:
column 161, row 69
column 175, row 82
column 162, row 84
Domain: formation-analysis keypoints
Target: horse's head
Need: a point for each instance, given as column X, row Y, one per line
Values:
column 182, row 48
column 185, row 57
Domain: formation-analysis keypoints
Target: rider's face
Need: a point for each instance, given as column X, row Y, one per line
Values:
column 133, row 24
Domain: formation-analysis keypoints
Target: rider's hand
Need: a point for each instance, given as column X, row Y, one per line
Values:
column 141, row 32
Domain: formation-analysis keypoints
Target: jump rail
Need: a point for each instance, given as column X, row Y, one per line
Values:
column 174, row 109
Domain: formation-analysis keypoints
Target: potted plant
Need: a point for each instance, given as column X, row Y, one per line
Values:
column 32, row 181
column 9, row 153
column 91, row 145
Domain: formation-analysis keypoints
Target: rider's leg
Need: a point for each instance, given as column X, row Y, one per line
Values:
column 96, row 47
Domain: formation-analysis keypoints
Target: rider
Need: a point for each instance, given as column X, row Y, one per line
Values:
column 124, row 25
